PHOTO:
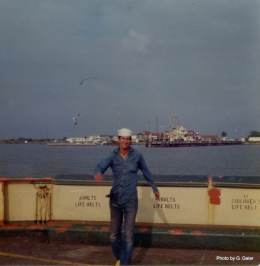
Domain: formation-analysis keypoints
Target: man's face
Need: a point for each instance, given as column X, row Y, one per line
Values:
column 124, row 142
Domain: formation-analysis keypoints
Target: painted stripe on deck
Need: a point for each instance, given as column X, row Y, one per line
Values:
column 61, row 262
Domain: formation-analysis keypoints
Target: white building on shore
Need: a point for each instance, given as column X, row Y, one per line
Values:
column 253, row 139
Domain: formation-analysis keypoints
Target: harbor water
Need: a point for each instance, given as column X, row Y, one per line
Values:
column 42, row 160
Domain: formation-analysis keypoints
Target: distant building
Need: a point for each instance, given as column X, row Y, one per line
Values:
column 76, row 140
column 141, row 137
column 210, row 138
column 135, row 139
column 254, row 139
column 115, row 138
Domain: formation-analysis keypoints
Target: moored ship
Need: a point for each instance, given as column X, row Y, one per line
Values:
column 192, row 143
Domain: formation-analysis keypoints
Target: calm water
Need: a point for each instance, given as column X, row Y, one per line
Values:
column 43, row 160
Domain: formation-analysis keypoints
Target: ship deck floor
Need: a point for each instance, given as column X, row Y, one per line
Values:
column 37, row 250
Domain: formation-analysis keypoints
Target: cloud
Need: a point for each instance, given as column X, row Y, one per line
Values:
column 135, row 41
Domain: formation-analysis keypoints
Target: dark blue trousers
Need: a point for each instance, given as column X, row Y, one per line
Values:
column 122, row 229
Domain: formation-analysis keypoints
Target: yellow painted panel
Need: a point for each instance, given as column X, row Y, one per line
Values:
column 21, row 202
column 179, row 205
column 176, row 205
column 88, row 203
column 238, row 207
column 82, row 203
column 1, row 202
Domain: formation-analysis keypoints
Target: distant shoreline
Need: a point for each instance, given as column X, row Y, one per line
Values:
column 22, row 142
column 161, row 145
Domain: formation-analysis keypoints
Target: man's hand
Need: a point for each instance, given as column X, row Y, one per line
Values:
column 157, row 195
column 99, row 177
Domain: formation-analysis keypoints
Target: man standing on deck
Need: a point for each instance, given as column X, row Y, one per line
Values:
column 125, row 163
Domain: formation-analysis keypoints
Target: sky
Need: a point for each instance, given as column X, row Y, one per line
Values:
column 146, row 65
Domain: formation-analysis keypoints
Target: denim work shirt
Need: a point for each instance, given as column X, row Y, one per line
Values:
column 125, row 174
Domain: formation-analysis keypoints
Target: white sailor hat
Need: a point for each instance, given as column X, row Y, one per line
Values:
column 124, row 132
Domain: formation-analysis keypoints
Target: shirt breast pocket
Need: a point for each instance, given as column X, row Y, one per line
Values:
column 132, row 167
column 117, row 165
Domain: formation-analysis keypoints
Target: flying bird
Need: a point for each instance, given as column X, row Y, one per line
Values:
column 85, row 79
column 76, row 119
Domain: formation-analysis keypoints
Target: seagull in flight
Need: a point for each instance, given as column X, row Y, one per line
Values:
column 85, row 79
